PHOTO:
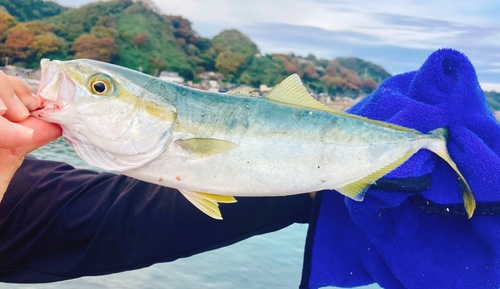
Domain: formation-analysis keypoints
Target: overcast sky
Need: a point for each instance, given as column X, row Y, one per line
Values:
column 396, row 34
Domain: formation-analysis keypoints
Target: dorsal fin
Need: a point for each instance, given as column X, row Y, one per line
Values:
column 291, row 91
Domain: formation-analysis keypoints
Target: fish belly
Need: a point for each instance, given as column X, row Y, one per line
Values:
column 274, row 168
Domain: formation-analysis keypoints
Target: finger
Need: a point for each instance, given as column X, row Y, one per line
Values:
column 13, row 134
column 44, row 132
column 24, row 93
column 41, row 133
column 16, row 110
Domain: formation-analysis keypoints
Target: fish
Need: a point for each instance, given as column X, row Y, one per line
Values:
column 213, row 147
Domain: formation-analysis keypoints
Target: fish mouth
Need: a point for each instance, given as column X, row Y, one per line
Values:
column 56, row 89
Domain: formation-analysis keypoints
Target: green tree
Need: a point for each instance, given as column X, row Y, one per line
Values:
column 369, row 85
column 48, row 45
column 140, row 39
column 26, row 10
column 310, row 72
column 36, row 27
column 28, row 42
column 156, row 65
column 75, row 22
column 101, row 31
column 364, row 69
column 265, row 70
column 18, row 45
column 6, row 21
column 236, row 42
column 227, row 63
column 91, row 47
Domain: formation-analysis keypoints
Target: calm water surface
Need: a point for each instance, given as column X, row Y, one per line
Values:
column 272, row 260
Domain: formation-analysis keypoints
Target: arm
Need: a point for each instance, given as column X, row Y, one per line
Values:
column 57, row 222
column 20, row 134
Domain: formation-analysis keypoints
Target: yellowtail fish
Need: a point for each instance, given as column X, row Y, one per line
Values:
column 213, row 146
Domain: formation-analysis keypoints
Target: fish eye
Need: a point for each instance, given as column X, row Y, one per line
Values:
column 101, row 85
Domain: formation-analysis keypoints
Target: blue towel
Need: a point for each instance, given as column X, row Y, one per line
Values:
column 419, row 239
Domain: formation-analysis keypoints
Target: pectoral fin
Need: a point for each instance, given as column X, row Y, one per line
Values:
column 207, row 203
column 356, row 190
column 204, row 147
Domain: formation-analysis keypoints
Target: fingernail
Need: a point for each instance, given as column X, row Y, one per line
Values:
column 29, row 131
column 34, row 103
column 23, row 111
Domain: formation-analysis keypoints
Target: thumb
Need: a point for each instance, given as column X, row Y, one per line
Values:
column 13, row 134
column 43, row 133
column 12, row 154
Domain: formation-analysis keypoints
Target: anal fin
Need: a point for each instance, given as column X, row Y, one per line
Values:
column 356, row 190
column 207, row 203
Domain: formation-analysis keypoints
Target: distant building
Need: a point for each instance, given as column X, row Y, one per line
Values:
column 171, row 77
column 497, row 114
column 210, row 75
column 264, row 88
column 213, row 85
column 28, row 76
column 11, row 70
column 20, row 72
column 211, row 81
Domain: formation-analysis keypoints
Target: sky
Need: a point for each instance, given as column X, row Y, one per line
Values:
column 396, row 34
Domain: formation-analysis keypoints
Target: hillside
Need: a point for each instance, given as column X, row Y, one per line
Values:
column 235, row 42
column 493, row 99
column 128, row 34
column 27, row 10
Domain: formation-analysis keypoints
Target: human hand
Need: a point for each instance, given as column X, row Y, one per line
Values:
column 21, row 133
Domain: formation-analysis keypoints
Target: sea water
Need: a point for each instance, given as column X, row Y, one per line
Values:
column 269, row 261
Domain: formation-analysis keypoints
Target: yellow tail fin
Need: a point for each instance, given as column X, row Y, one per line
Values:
column 441, row 150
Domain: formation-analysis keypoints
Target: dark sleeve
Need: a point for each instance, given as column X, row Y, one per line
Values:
column 57, row 223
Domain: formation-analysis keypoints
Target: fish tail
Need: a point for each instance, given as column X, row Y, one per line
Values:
column 439, row 148
column 440, row 133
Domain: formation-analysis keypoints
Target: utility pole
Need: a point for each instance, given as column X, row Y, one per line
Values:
column 6, row 60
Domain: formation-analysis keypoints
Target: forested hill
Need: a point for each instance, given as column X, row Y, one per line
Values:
column 130, row 34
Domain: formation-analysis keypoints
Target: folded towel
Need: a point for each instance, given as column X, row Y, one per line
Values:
column 419, row 239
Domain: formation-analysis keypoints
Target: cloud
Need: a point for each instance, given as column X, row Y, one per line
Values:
column 74, row 3
column 396, row 58
column 397, row 35
column 488, row 86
